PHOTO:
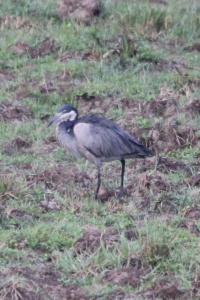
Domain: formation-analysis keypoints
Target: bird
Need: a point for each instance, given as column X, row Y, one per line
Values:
column 96, row 139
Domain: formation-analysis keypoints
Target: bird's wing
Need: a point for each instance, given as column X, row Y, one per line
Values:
column 104, row 138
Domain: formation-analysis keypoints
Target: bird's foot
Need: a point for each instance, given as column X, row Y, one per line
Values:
column 122, row 193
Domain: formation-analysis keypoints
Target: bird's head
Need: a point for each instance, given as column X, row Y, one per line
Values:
column 65, row 113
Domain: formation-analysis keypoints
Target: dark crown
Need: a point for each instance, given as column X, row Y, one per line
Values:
column 66, row 108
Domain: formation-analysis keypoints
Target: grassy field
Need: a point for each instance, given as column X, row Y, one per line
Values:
column 138, row 63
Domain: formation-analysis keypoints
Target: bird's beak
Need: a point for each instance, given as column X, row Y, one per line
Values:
column 54, row 119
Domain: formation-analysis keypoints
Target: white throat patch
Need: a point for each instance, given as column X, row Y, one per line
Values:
column 69, row 116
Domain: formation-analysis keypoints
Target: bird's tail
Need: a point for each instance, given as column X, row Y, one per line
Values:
column 144, row 152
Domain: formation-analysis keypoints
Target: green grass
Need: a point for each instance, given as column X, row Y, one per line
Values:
column 140, row 52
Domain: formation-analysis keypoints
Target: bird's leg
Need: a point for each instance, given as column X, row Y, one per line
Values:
column 121, row 192
column 99, row 180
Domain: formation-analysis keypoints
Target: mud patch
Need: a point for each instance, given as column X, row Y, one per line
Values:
column 124, row 276
column 10, row 112
column 196, row 285
column 164, row 105
column 81, row 11
column 192, row 213
column 169, row 133
column 17, row 144
column 43, row 48
column 61, row 178
column 193, row 106
column 194, row 180
column 99, row 105
column 163, row 289
column 5, row 76
column 194, row 47
column 190, row 226
column 16, row 212
column 166, row 165
column 92, row 239
column 45, row 281
column 20, row 48
column 155, row 182
column 53, row 177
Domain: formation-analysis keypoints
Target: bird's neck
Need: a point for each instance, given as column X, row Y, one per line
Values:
column 65, row 124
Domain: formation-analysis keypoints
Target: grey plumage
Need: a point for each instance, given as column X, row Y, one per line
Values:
column 96, row 138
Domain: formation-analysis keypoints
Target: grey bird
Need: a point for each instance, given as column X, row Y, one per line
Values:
column 97, row 139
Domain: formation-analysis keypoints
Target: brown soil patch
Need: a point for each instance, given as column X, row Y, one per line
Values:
column 20, row 48
column 155, row 182
column 163, row 289
column 170, row 134
column 133, row 261
column 175, row 42
column 60, row 178
column 45, row 281
column 166, row 165
column 43, row 48
column 92, row 104
column 196, row 285
column 9, row 112
column 193, row 106
column 5, row 76
column 194, row 180
column 16, row 144
column 16, row 212
column 194, row 47
column 190, row 226
column 92, row 238
column 192, row 213
column 123, row 276
column 81, row 11
column 164, row 105
column 131, row 234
